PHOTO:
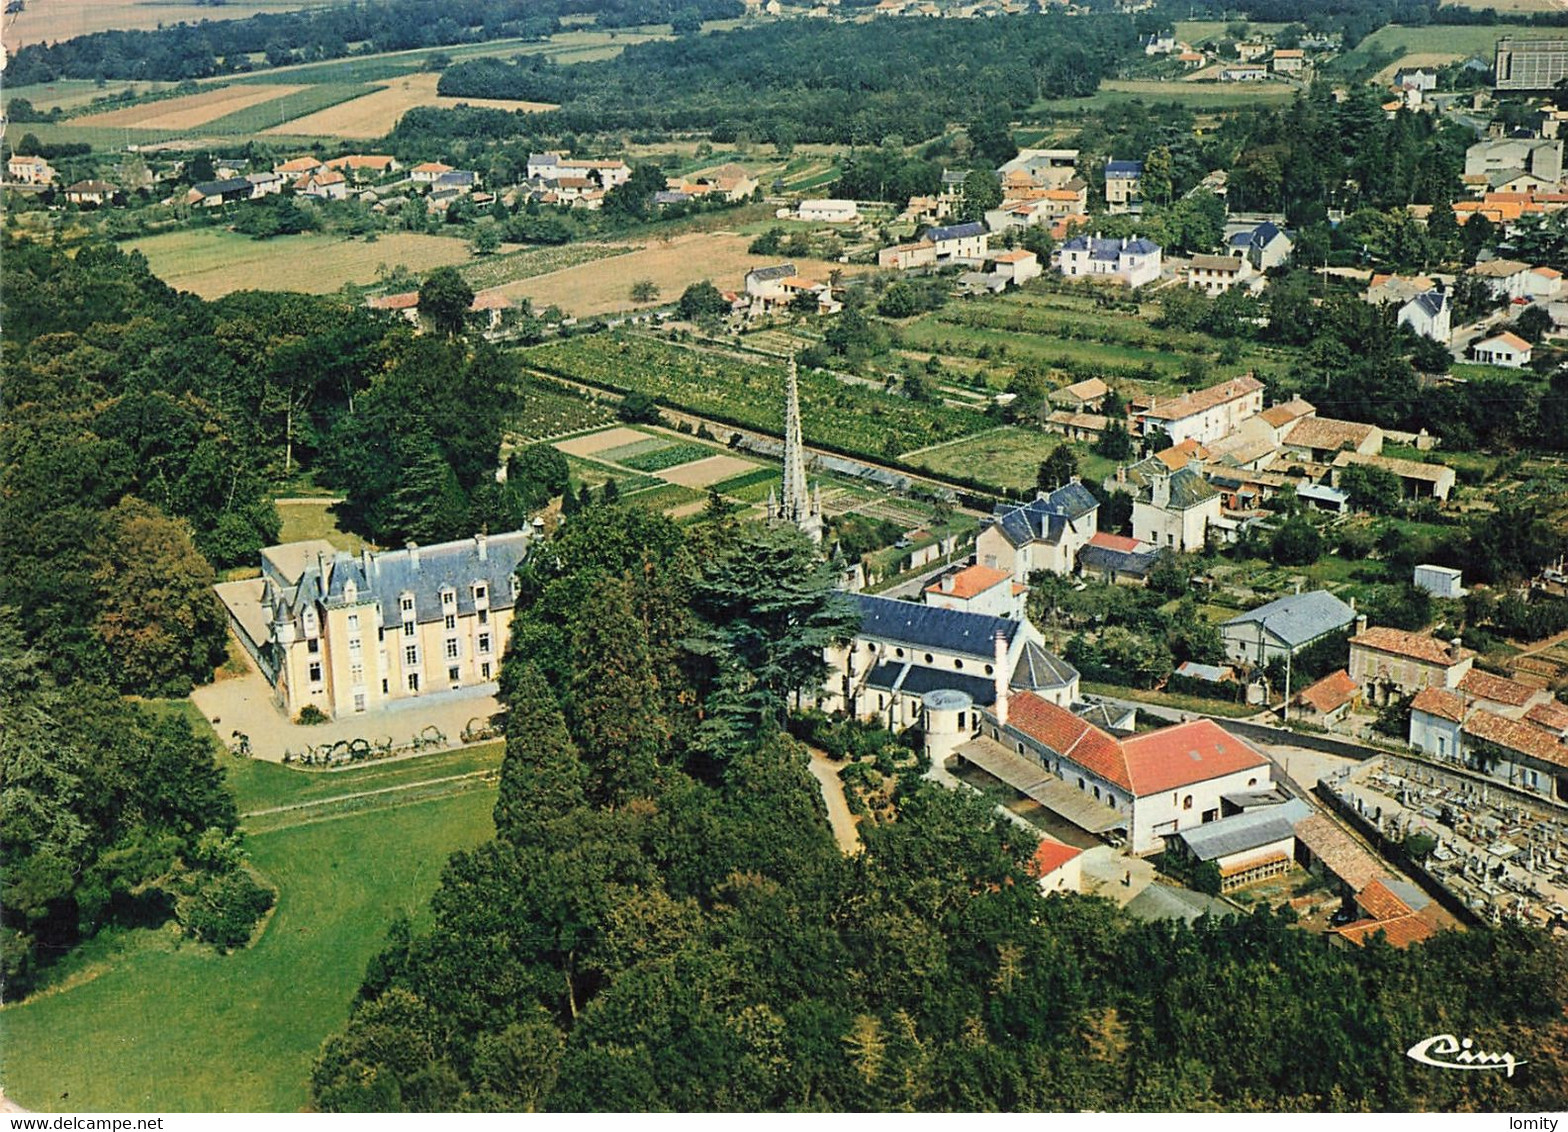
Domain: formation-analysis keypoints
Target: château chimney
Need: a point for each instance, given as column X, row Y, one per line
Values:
column 413, row 553
column 365, row 563
column 481, row 546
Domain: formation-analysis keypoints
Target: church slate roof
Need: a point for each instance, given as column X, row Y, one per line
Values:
column 928, row 626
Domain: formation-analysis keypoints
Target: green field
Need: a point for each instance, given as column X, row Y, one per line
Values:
column 303, row 521
column 74, row 94
column 1453, row 42
column 670, row 456
column 156, row 1024
column 213, row 262
column 1008, row 457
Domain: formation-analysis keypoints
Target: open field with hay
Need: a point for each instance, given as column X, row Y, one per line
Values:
column 188, row 111
column 212, row 262
column 372, row 115
column 73, row 94
column 604, row 286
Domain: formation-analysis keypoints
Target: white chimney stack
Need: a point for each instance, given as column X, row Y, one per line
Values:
column 413, row 553
column 481, row 542
column 1001, row 675
column 949, row 583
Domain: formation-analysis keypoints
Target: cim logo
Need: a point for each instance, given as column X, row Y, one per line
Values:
column 1444, row 1051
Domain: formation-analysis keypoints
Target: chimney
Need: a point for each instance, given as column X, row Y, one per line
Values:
column 365, row 563
column 949, row 583
column 1121, row 474
column 321, row 573
column 1352, row 603
column 1361, row 623
column 1001, row 676
column 1160, row 490
column 413, row 553
column 1298, row 585
column 1454, row 647
column 481, row 545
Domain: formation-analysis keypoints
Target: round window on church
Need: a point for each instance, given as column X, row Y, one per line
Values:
column 989, row 670
column 958, row 664
column 928, row 658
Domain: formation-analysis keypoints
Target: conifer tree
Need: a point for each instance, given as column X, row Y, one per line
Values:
column 542, row 774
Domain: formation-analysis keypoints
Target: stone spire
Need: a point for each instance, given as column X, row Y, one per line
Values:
column 797, row 504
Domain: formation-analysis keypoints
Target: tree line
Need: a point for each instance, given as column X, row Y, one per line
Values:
column 818, row 82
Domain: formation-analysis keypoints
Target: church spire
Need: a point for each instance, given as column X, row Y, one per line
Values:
column 796, row 505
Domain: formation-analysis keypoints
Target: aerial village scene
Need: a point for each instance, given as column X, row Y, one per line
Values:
column 784, row 556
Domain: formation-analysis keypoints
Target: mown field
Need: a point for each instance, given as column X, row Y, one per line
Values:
column 152, row 1023
column 213, row 262
column 1008, row 457
column 750, row 392
column 373, row 115
column 41, row 21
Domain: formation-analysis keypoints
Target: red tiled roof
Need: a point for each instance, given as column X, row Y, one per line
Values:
column 1441, row 703
column 1509, row 339
column 1379, row 902
column 402, row 301
column 1416, row 646
column 1498, row 689
column 1191, row 404
column 490, row 301
column 431, row 167
column 1516, row 735
column 1051, row 856
column 1333, row 691
column 1277, row 415
column 1116, row 542
column 1069, row 736
column 1186, row 753
column 1552, row 716
column 970, row 581
column 1400, row 932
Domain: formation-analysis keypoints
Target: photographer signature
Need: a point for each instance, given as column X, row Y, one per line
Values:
column 1459, row 1055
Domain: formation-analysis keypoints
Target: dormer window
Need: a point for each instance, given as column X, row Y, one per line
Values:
column 407, row 603
column 350, row 591
column 448, row 599
column 480, row 591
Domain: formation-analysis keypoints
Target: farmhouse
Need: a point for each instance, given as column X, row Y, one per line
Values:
column 298, row 167
column 211, row 194
column 1205, row 415
column 428, row 172
column 349, row 635
column 827, row 211
column 1392, row 663
column 1284, row 627
column 1041, row 168
column 1044, row 534
column 1133, row 262
column 1288, row 61
column 30, row 171
column 766, row 284
column 1417, row 480
column 90, row 192
column 1017, row 266
column 1317, row 439
column 1328, row 701
column 324, row 186
column 967, row 242
column 905, row 257
column 1244, row 73
column 1216, row 274
column 1088, row 394
column 364, row 166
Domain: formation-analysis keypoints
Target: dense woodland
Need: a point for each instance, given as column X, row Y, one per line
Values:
column 201, row 50
column 145, row 430
column 663, row 921
column 817, row 81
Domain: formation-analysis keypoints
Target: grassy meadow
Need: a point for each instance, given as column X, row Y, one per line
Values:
column 147, row 1020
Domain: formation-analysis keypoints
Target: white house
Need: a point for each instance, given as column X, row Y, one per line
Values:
column 1422, row 80
column 1244, row 73
column 766, row 284
column 1123, row 181
column 1264, row 246
column 1429, row 314
column 30, row 171
column 968, row 241
column 1057, row 866
column 1216, row 274
column 425, row 173
column 1505, row 349
column 1145, row 788
column 1133, row 262
column 1044, row 534
column 1205, row 415
column 1017, row 266
column 1174, row 510
column 978, row 589
column 1504, row 278
column 827, row 211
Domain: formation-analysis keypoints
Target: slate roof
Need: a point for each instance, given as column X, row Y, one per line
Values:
column 1431, row 303
column 223, row 188
column 1039, row 668
column 1043, row 519
column 927, row 626
column 1124, row 169
column 1298, row 619
column 908, row 679
column 1101, row 248
column 1259, row 237
column 769, row 274
column 955, row 232
column 457, row 178
column 1251, row 829
column 1107, row 559
column 1188, row 489
column 392, row 573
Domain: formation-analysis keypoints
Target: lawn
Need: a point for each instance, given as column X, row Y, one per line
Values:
column 155, row 1024
column 310, row 520
column 213, row 262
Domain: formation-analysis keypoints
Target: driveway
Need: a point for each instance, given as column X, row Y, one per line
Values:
column 245, row 704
